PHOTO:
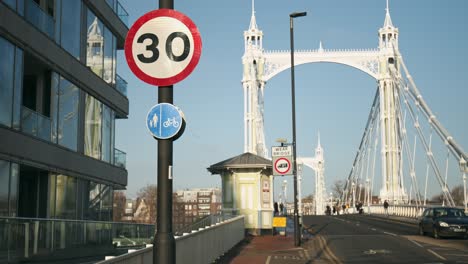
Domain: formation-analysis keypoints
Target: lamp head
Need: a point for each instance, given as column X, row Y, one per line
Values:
column 297, row 14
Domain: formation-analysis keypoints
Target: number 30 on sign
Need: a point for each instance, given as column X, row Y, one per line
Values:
column 163, row 47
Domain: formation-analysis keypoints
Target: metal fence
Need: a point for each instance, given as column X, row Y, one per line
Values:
column 204, row 245
column 30, row 238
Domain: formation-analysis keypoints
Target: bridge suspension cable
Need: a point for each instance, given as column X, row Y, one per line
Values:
column 409, row 92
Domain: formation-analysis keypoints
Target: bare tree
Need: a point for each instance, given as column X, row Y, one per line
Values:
column 118, row 206
column 337, row 188
column 148, row 194
column 457, row 195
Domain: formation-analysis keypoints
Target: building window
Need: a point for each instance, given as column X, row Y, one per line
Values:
column 101, row 49
column 68, row 107
column 66, row 200
column 70, row 21
column 93, row 127
column 99, row 130
column 7, row 51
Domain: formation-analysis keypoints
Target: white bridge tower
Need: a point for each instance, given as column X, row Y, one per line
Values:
column 261, row 65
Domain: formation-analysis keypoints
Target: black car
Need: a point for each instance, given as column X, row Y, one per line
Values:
column 444, row 222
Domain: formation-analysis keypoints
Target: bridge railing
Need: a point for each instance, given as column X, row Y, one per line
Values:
column 410, row 211
column 204, row 245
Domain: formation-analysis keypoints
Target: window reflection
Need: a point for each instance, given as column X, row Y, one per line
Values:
column 68, row 114
column 95, row 44
column 70, row 23
column 93, row 126
column 6, row 81
column 101, row 49
column 106, row 133
column 4, row 184
column 65, row 206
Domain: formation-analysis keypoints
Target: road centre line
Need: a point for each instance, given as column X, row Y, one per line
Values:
column 328, row 251
column 437, row 255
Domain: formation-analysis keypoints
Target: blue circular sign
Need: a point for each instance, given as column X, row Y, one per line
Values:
column 164, row 121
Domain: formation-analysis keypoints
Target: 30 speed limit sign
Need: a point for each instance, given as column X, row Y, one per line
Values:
column 163, row 47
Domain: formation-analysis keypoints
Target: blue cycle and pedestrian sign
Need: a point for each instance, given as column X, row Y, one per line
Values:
column 165, row 121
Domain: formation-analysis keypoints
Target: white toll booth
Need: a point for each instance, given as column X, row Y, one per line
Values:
column 247, row 189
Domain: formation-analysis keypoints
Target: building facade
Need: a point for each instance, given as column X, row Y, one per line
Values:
column 60, row 96
column 194, row 204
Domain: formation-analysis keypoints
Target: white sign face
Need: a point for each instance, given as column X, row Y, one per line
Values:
column 282, row 166
column 163, row 47
column 281, row 151
column 155, row 46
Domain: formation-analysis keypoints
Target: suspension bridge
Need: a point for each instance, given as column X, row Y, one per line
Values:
column 413, row 145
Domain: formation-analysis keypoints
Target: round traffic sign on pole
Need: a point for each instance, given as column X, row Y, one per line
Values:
column 282, row 166
column 165, row 121
column 163, row 47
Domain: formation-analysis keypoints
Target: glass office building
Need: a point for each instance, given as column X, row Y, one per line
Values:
column 60, row 96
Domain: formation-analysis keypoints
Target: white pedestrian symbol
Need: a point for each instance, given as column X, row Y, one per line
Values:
column 154, row 122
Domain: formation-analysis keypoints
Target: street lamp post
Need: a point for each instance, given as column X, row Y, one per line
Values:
column 297, row 234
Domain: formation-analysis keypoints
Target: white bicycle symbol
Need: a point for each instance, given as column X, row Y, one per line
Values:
column 171, row 122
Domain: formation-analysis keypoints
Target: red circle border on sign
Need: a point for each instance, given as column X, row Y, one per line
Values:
column 196, row 43
column 289, row 165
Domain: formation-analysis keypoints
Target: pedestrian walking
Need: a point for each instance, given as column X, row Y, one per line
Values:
column 275, row 205
column 385, row 206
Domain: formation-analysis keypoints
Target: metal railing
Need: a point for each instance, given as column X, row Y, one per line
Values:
column 409, row 211
column 121, row 84
column 202, row 223
column 35, row 124
column 204, row 245
column 120, row 158
column 36, row 238
column 39, row 18
column 119, row 10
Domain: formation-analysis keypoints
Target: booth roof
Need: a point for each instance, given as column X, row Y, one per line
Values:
column 245, row 160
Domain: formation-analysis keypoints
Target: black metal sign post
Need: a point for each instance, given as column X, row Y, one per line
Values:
column 164, row 242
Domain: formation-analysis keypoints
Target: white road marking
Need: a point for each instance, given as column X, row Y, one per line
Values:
column 373, row 229
column 419, row 245
column 437, row 255
column 268, row 260
column 390, row 234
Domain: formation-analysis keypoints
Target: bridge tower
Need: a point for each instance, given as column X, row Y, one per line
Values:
column 253, row 85
column 260, row 65
column 390, row 123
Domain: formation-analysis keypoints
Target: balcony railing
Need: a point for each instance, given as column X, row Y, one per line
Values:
column 35, row 238
column 40, row 19
column 35, row 124
column 120, row 158
column 121, row 84
column 119, row 10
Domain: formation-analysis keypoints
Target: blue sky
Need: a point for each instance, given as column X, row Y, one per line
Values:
column 330, row 98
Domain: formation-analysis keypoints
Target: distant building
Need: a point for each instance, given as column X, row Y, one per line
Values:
column 191, row 205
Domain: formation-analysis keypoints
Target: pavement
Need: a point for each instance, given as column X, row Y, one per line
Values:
column 278, row 249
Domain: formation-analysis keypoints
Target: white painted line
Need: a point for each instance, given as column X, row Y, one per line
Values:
column 390, row 234
column 268, row 260
column 419, row 245
column 437, row 255
column 373, row 229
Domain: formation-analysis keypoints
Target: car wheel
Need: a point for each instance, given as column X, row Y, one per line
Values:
column 421, row 231
column 435, row 233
